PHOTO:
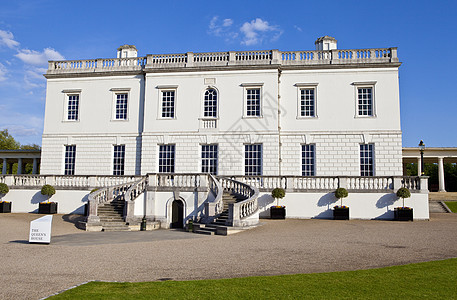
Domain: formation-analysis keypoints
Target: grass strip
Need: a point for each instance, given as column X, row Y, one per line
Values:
column 452, row 205
column 430, row 280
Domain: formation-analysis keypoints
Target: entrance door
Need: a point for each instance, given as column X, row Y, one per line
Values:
column 177, row 214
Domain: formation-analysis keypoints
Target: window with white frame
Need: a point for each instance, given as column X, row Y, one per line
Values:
column 307, row 102
column 365, row 99
column 253, row 102
column 168, row 104
column 166, row 158
column 308, row 160
column 253, row 159
column 366, row 160
column 121, row 106
column 73, row 107
column 70, row 155
column 209, row 159
column 118, row 159
column 210, row 104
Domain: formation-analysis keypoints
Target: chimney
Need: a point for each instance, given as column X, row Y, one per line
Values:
column 325, row 43
column 125, row 51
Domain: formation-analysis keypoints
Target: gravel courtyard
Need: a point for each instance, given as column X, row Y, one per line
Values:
column 33, row 271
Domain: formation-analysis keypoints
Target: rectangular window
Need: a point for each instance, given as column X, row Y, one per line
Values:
column 253, row 102
column 121, row 106
column 308, row 160
column 209, row 159
column 365, row 101
column 366, row 160
column 70, row 155
column 166, row 158
column 118, row 159
column 168, row 104
column 307, row 108
column 73, row 107
column 253, row 159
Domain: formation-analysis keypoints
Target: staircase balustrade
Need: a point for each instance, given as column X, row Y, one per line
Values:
column 215, row 207
column 131, row 195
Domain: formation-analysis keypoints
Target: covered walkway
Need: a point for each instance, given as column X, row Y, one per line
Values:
column 22, row 157
column 440, row 156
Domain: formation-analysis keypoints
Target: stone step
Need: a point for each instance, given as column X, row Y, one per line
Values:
column 205, row 231
column 116, row 228
column 436, row 207
column 442, row 196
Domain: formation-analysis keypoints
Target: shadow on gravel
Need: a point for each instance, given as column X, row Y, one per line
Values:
column 74, row 219
column 19, row 242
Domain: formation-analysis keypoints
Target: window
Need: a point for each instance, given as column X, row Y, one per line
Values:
column 307, row 160
column 73, row 107
column 118, row 159
column 210, row 104
column 209, row 159
column 70, row 155
column 307, row 103
column 366, row 160
column 365, row 101
column 121, row 106
column 166, row 158
column 168, row 104
column 253, row 102
column 253, row 159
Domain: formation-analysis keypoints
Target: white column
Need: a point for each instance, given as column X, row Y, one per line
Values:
column 441, row 175
column 19, row 166
column 35, row 166
column 5, row 166
column 419, row 166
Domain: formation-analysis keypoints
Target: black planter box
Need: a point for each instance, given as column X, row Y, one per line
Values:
column 5, row 207
column 47, row 208
column 401, row 214
column 341, row 213
column 278, row 213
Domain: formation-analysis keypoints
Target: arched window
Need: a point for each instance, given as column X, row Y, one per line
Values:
column 210, row 103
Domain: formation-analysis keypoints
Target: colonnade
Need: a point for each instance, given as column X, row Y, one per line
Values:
column 9, row 157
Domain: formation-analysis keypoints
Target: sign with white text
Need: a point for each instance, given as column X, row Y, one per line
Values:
column 40, row 230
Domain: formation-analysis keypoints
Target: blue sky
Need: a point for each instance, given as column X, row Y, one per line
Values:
column 32, row 32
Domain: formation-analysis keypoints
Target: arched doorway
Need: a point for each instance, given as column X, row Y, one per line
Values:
column 177, row 214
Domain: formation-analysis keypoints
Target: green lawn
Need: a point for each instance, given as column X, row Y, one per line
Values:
column 430, row 280
column 452, row 205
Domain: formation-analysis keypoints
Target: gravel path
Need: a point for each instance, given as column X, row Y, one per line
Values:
column 33, row 271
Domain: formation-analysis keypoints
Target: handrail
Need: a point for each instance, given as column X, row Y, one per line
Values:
column 239, row 212
column 216, row 207
column 131, row 195
column 104, row 195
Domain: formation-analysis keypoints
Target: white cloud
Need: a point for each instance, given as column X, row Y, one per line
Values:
column 298, row 28
column 21, row 130
column 258, row 30
column 227, row 22
column 7, row 39
column 33, row 57
column 3, row 72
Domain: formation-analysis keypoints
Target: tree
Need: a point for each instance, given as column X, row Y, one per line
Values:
column 7, row 141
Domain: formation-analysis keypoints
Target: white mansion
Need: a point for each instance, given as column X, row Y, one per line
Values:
column 326, row 112
column 173, row 137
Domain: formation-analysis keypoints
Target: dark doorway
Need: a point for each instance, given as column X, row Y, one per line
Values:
column 177, row 214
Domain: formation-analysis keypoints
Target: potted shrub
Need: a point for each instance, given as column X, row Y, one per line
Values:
column 403, row 213
column 277, row 211
column 341, row 212
column 47, row 207
column 5, row 206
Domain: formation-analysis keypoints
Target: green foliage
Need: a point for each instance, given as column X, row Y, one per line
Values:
column 452, row 205
column 7, row 142
column 4, row 189
column 278, row 193
column 403, row 193
column 341, row 193
column 30, row 147
column 48, row 190
column 429, row 280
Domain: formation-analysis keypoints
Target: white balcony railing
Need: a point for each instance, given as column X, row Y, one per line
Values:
column 230, row 58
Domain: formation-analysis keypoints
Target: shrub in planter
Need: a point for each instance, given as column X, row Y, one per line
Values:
column 277, row 211
column 47, row 207
column 403, row 213
column 341, row 212
column 5, row 206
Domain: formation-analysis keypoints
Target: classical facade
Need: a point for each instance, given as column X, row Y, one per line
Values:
column 324, row 112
